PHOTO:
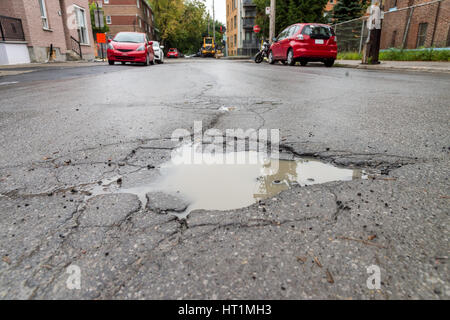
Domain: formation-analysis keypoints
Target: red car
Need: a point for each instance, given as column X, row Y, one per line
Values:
column 130, row 47
column 173, row 53
column 305, row 42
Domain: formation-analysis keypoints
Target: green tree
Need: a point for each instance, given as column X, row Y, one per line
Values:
column 289, row 12
column 182, row 23
column 346, row 10
column 168, row 16
column 349, row 34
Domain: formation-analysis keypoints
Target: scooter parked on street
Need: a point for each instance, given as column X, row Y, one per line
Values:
column 263, row 53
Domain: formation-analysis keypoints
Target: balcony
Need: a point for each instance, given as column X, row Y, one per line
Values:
column 248, row 23
column 250, row 44
column 248, row 3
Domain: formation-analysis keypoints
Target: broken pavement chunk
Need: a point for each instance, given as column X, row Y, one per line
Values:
column 162, row 203
column 109, row 209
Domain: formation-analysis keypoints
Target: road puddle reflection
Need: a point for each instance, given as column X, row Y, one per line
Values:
column 215, row 184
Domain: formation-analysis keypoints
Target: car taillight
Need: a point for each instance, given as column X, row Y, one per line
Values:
column 300, row 37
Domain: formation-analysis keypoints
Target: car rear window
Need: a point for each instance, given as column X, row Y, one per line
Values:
column 318, row 32
column 129, row 37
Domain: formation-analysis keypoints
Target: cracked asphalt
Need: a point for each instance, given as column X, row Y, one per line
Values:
column 65, row 131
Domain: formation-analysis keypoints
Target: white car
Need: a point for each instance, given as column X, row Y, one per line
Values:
column 159, row 53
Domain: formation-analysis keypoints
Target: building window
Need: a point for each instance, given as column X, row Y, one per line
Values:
column 140, row 23
column 80, row 14
column 108, row 19
column 106, row 1
column 422, row 34
column 138, row 3
column 44, row 16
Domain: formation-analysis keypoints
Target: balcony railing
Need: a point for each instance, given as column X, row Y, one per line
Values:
column 250, row 44
column 248, row 3
column 11, row 29
column 248, row 23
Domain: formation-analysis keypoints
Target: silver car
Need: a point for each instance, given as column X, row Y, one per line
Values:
column 159, row 53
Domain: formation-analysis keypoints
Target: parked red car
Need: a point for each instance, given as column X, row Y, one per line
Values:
column 130, row 47
column 173, row 53
column 305, row 42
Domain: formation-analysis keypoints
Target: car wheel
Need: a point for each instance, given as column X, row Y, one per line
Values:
column 290, row 58
column 110, row 62
column 271, row 59
column 329, row 63
column 303, row 62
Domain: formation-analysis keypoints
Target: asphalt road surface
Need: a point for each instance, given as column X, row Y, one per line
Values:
column 65, row 131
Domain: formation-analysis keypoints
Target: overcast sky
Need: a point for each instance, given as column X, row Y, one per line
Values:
column 220, row 9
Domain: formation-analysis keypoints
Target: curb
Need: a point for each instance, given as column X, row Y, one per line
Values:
column 42, row 65
column 391, row 68
column 237, row 58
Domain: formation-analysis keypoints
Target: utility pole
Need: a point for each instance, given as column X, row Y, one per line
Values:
column 214, row 29
column 272, row 20
column 99, row 19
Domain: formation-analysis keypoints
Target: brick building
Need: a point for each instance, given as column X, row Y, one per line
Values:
column 128, row 15
column 423, row 26
column 233, row 25
column 330, row 5
column 241, row 38
column 31, row 27
column 327, row 12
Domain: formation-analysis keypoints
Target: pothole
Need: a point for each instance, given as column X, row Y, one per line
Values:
column 226, row 181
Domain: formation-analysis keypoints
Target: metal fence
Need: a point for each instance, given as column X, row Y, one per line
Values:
column 11, row 29
column 423, row 25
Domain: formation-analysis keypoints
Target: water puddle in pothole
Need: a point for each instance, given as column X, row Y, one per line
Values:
column 232, row 180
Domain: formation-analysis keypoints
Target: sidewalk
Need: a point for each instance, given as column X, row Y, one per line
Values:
column 424, row 66
column 236, row 58
column 15, row 69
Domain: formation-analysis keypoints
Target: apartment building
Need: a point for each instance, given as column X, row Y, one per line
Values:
column 42, row 30
column 241, row 38
column 425, row 25
column 128, row 15
column 233, row 22
column 328, row 11
column 330, row 5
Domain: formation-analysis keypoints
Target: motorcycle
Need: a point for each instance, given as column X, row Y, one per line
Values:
column 264, row 52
